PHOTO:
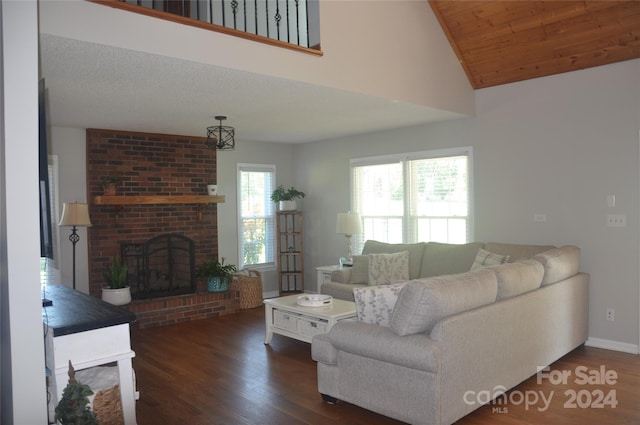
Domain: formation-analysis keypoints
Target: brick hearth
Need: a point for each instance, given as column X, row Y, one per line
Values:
column 154, row 165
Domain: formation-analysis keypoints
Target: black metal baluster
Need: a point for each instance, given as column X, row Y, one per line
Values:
column 244, row 5
column 278, row 17
column 298, row 22
column 211, row 11
column 224, row 20
column 266, row 10
column 288, row 24
column 255, row 14
column 306, row 4
column 234, row 9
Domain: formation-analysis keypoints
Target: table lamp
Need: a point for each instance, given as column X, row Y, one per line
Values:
column 348, row 224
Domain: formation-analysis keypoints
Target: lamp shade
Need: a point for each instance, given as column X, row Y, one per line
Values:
column 75, row 214
column 349, row 223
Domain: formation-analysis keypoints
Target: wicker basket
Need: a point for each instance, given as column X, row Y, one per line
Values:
column 249, row 284
column 107, row 406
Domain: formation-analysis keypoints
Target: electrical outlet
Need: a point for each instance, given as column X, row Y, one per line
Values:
column 616, row 220
column 611, row 315
column 540, row 218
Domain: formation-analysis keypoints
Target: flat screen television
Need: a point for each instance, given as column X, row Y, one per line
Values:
column 46, row 241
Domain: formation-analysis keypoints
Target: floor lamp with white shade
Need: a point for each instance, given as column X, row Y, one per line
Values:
column 76, row 215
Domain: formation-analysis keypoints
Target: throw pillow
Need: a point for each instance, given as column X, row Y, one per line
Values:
column 388, row 268
column 485, row 258
column 374, row 304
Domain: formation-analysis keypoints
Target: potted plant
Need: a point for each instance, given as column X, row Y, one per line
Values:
column 117, row 291
column 108, row 185
column 73, row 408
column 216, row 274
column 286, row 198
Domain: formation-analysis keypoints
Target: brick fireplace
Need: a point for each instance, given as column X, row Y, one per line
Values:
column 155, row 165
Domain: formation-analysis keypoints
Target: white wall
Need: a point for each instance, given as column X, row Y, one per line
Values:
column 383, row 37
column 556, row 145
column 23, row 399
column 281, row 155
column 70, row 146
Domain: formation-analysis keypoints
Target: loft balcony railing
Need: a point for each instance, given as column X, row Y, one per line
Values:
column 286, row 23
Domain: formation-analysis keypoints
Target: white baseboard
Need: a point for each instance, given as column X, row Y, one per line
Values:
column 271, row 294
column 612, row 345
column 274, row 294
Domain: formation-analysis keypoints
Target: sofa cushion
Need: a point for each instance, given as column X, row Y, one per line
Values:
column 341, row 291
column 559, row 263
column 360, row 269
column 322, row 350
column 485, row 258
column 374, row 304
column 518, row 278
column 342, row 275
column 418, row 352
column 422, row 303
column 415, row 253
column 388, row 268
column 442, row 258
column 515, row 251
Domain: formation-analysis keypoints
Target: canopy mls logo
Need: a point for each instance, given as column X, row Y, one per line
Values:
column 584, row 398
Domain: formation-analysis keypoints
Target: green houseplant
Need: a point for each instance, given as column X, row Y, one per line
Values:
column 73, row 408
column 108, row 185
column 216, row 274
column 286, row 197
column 117, row 291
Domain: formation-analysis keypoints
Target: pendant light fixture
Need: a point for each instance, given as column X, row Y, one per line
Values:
column 220, row 136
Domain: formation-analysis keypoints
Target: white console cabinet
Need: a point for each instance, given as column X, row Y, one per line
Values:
column 88, row 332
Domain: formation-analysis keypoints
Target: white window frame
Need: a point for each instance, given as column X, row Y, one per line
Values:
column 403, row 159
column 271, row 212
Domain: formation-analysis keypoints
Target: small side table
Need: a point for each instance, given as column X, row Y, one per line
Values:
column 324, row 275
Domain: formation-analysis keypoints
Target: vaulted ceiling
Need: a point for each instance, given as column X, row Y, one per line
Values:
column 497, row 42
column 500, row 42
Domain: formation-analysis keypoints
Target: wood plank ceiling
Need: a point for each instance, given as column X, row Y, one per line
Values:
column 500, row 42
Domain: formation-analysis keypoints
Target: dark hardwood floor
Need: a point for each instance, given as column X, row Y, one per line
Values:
column 218, row 371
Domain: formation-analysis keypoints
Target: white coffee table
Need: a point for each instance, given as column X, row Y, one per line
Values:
column 284, row 316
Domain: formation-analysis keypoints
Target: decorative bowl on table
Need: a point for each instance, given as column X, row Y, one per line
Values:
column 314, row 300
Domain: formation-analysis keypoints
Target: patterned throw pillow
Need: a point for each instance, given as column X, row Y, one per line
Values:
column 485, row 258
column 388, row 268
column 374, row 304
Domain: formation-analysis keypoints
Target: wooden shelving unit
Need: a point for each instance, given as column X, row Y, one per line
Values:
column 290, row 252
column 119, row 201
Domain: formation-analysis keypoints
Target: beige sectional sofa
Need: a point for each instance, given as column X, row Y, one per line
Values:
column 423, row 347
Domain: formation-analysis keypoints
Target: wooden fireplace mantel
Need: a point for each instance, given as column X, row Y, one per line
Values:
column 119, row 201
column 169, row 199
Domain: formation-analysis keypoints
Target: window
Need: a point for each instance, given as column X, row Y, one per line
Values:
column 417, row 197
column 256, row 218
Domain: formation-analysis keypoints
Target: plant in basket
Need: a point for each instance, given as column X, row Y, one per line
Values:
column 216, row 274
